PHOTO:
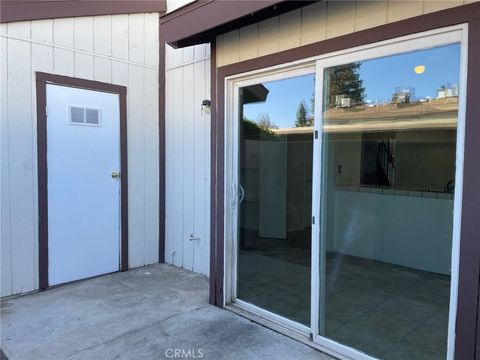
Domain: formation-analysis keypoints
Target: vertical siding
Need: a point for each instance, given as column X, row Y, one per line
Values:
column 187, row 158
column 316, row 22
column 119, row 49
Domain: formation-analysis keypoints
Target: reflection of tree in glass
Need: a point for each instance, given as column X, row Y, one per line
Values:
column 345, row 83
column 263, row 120
column 303, row 118
column 253, row 131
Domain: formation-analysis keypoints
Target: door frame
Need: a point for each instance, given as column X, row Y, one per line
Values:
column 398, row 45
column 42, row 79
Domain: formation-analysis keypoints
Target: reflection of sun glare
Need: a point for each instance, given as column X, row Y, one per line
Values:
column 420, row 69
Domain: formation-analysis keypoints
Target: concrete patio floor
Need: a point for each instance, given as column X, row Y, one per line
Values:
column 145, row 313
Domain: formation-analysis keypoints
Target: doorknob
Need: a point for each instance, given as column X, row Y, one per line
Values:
column 115, row 175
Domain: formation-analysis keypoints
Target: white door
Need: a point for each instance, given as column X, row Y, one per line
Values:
column 83, row 153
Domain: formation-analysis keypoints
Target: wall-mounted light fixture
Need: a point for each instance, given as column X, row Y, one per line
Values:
column 206, row 106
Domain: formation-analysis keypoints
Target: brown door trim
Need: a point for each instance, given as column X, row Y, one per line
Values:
column 469, row 288
column 42, row 79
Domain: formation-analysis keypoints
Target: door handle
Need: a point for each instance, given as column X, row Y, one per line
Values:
column 115, row 175
column 242, row 193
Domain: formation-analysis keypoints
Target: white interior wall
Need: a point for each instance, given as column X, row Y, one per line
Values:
column 119, row 49
column 187, row 193
column 395, row 229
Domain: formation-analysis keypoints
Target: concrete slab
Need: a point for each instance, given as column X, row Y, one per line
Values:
column 156, row 312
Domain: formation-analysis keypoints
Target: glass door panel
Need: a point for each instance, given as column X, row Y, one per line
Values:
column 275, row 187
column 387, row 183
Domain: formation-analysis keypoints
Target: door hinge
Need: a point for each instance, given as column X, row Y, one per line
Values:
column 316, row 134
column 313, row 220
column 46, row 110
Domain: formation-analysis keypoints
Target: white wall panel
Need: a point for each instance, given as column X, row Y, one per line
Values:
column 83, row 66
column 92, row 48
column 63, row 32
column 120, row 36
column 6, row 244
column 187, row 158
column 151, row 166
column 201, row 171
column 63, row 62
column 136, row 39
column 102, row 35
column 42, row 30
column 136, row 166
column 20, row 135
column 102, row 69
column 83, row 33
column 188, row 175
column 152, row 39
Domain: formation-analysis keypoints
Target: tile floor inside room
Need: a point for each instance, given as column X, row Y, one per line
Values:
column 385, row 310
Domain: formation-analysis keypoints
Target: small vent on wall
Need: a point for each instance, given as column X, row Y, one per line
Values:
column 91, row 116
column 83, row 116
column 77, row 115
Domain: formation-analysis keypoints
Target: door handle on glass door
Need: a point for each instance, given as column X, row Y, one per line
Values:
column 242, row 194
column 115, row 175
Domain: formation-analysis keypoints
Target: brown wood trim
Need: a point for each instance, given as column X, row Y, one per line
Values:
column 42, row 79
column 201, row 21
column 124, row 266
column 468, row 322
column 215, row 275
column 162, row 150
column 468, row 289
column 20, row 10
column 42, row 184
column 182, row 10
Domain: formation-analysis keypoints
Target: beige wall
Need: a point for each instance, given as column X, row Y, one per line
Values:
column 120, row 49
column 317, row 22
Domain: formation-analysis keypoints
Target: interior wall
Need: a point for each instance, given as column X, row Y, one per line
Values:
column 187, row 193
column 395, row 229
column 424, row 160
column 317, row 22
column 118, row 49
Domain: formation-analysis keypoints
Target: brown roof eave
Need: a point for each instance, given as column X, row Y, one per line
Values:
column 200, row 21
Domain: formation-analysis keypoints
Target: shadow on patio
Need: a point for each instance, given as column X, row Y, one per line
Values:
column 144, row 313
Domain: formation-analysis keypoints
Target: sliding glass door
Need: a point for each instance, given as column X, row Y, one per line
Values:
column 275, row 162
column 385, row 173
column 343, row 178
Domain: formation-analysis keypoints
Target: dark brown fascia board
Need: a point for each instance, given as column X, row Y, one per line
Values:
column 22, row 10
column 203, row 20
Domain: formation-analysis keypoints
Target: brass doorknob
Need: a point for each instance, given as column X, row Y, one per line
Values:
column 115, row 175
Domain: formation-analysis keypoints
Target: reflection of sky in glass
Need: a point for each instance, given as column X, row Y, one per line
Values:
column 380, row 78
column 283, row 99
